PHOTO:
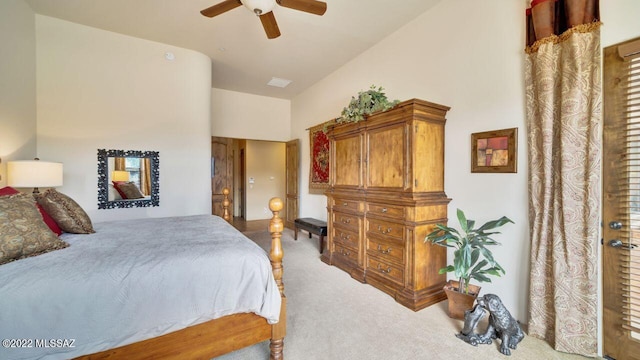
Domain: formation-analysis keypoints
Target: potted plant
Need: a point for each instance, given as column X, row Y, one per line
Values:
column 472, row 259
column 366, row 103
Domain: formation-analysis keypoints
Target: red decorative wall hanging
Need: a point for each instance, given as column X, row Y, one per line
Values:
column 319, row 168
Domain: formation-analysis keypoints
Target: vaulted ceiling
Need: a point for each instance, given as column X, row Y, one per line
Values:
column 243, row 59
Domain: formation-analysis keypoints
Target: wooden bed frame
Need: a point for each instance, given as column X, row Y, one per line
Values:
column 223, row 335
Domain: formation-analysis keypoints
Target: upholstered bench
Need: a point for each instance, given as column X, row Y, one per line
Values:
column 313, row 226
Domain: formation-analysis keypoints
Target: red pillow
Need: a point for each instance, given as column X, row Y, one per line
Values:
column 8, row 190
column 115, row 185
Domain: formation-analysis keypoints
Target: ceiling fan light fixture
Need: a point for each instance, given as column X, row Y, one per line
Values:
column 259, row 6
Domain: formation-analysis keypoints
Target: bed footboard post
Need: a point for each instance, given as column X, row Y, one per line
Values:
column 225, row 204
column 276, row 226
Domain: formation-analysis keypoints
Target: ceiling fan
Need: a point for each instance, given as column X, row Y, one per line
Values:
column 263, row 9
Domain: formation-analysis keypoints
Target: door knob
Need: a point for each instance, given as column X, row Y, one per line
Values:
column 615, row 225
column 619, row 244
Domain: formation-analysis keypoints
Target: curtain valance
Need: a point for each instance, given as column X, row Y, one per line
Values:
column 555, row 20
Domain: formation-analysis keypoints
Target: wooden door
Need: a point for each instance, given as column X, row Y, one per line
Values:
column 221, row 173
column 621, row 203
column 292, row 168
column 241, row 192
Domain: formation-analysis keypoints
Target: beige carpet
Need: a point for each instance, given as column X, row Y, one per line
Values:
column 332, row 316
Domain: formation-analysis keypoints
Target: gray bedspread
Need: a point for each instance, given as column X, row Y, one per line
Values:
column 130, row 281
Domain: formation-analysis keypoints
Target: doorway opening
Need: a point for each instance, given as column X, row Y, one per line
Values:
column 254, row 171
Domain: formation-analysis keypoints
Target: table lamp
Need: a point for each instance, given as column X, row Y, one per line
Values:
column 119, row 175
column 34, row 173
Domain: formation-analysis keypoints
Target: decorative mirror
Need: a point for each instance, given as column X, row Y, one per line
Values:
column 128, row 178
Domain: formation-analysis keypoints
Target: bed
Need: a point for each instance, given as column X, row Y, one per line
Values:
column 117, row 296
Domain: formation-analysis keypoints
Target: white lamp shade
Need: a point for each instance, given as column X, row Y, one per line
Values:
column 119, row 175
column 34, row 173
column 264, row 5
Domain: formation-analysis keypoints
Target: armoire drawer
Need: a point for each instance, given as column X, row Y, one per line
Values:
column 346, row 254
column 389, row 271
column 385, row 228
column 386, row 250
column 346, row 237
column 347, row 221
column 395, row 212
column 347, row 205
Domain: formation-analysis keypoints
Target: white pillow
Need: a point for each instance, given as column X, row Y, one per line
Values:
column 113, row 193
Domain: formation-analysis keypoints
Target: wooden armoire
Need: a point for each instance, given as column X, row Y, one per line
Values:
column 386, row 193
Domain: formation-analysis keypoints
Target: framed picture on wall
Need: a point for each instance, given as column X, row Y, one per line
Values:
column 494, row 151
column 319, row 164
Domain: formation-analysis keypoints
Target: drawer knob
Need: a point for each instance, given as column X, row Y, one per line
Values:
column 343, row 237
column 388, row 230
column 384, row 210
column 383, row 251
column 345, row 204
column 388, row 270
column 345, row 253
column 346, row 221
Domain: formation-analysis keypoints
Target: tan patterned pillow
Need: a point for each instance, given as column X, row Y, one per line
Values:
column 66, row 212
column 23, row 233
column 130, row 190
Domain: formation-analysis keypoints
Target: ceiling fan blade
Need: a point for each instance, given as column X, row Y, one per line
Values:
column 310, row 6
column 270, row 25
column 220, row 8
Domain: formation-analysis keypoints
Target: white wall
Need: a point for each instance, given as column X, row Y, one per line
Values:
column 265, row 163
column 454, row 56
column 246, row 116
column 101, row 90
column 620, row 18
column 17, row 84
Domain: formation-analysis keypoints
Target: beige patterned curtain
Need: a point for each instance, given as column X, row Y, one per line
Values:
column 563, row 90
column 119, row 164
column 145, row 176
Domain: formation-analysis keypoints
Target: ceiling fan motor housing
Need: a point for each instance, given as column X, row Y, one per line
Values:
column 259, row 6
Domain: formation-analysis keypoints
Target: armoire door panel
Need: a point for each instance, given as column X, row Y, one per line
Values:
column 348, row 159
column 428, row 157
column 386, row 160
